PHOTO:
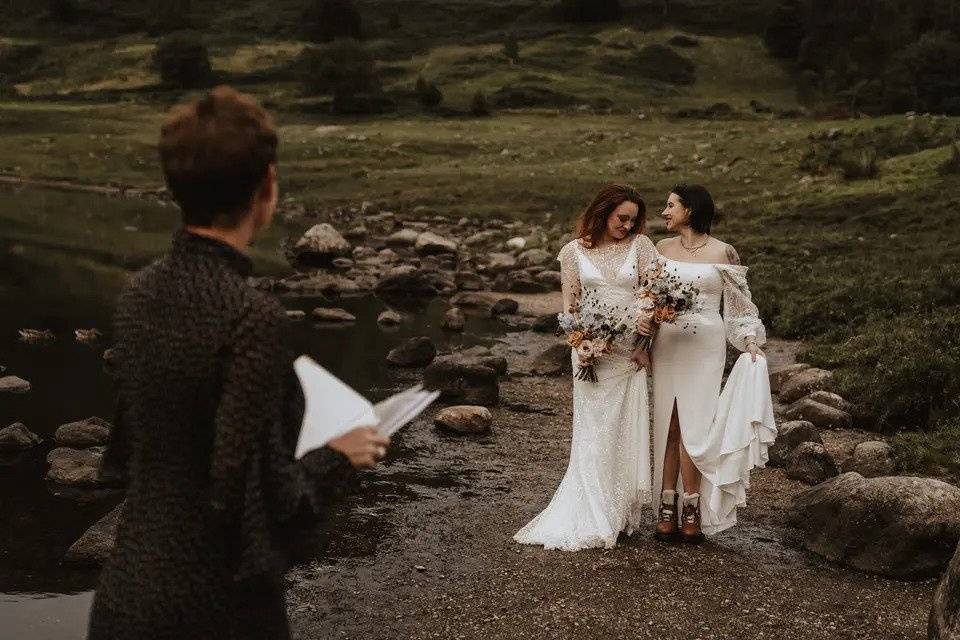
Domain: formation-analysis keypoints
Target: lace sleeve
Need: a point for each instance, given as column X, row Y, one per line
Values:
column 740, row 314
column 646, row 253
column 569, row 275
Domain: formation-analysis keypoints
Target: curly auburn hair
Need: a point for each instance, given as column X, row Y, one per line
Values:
column 592, row 222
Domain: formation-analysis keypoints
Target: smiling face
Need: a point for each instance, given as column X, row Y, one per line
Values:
column 675, row 214
column 622, row 220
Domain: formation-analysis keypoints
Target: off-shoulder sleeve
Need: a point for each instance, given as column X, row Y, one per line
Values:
column 569, row 275
column 740, row 314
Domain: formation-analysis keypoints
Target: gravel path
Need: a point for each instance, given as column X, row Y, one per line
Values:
column 426, row 552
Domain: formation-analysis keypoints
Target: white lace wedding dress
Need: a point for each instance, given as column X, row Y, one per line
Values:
column 608, row 477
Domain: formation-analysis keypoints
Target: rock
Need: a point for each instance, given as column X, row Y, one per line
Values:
column 832, row 400
column 364, row 253
column 444, row 285
column 17, row 436
column 519, row 282
column 413, row 284
column 356, row 232
column 547, row 323
column 343, row 264
column 872, row 459
column 534, row 258
column 481, row 237
column 789, row 436
column 96, row 544
column 87, row 336
column 464, row 419
column 781, row 375
column 516, row 244
column 944, row 623
column 555, row 360
column 471, row 300
column 810, row 463
column 320, row 245
column 33, row 336
column 414, row 352
column 550, row 278
column 820, row 415
column 453, row 320
column 804, row 383
column 896, row 526
column 13, row 384
column 74, row 467
column 505, row 306
column 333, row 314
column 500, row 262
column 91, row 432
column 430, row 243
column 469, row 281
column 388, row 255
column 463, row 381
column 403, row 238
column 389, row 318
column 369, row 208
column 296, row 314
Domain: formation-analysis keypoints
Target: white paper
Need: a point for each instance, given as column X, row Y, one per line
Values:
column 332, row 408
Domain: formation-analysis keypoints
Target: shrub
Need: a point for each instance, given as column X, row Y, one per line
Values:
column 428, row 94
column 511, row 48
column 345, row 69
column 169, row 15
column 931, row 453
column 66, row 11
column 785, row 31
column 328, row 20
column 479, row 106
column 590, row 10
column 17, row 60
column 182, row 60
column 523, row 96
column 923, row 76
column 856, row 165
column 659, row 62
column 952, row 164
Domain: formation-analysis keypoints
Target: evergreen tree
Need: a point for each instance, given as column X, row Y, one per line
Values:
column 785, row 32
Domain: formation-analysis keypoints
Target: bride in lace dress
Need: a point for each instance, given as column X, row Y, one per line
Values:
column 608, row 476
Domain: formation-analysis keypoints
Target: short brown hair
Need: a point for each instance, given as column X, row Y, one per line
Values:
column 215, row 153
column 593, row 221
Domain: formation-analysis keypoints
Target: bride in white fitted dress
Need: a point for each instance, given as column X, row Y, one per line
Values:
column 608, row 476
column 712, row 451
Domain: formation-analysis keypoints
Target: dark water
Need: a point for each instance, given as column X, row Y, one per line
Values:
column 63, row 277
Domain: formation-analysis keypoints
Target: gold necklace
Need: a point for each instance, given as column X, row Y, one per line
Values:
column 693, row 250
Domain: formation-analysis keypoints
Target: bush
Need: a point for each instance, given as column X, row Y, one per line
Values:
column 524, row 96
column 328, row 20
column 590, row 10
column 923, row 77
column 856, row 165
column 479, row 106
column 428, row 94
column 932, row 453
column 345, row 69
column 66, row 11
column 169, row 15
column 952, row 164
column 511, row 48
column 659, row 62
column 182, row 60
column 785, row 31
column 17, row 60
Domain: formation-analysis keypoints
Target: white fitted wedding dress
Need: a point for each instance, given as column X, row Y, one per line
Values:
column 724, row 439
column 608, row 477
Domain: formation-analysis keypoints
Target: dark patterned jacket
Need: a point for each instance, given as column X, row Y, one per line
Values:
column 208, row 413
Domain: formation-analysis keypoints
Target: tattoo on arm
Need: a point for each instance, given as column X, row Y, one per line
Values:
column 732, row 255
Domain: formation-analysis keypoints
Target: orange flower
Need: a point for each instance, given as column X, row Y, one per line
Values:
column 575, row 339
column 664, row 315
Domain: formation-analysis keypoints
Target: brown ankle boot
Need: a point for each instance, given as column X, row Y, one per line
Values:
column 690, row 521
column 667, row 525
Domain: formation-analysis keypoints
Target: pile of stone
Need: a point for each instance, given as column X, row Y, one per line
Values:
column 76, row 460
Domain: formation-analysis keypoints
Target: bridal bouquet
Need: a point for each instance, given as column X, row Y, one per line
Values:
column 664, row 298
column 591, row 328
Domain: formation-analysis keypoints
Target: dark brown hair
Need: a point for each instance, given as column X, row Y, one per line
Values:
column 215, row 153
column 593, row 221
column 697, row 199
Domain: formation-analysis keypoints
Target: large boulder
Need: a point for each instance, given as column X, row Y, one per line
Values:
column 91, row 432
column 406, row 284
column 430, row 243
column 463, row 381
column 832, row 400
column 897, row 526
column 781, row 375
column 13, row 384
column 821, row 415
column 790, row 435
column 17, row 436
column 534, row 258
column 414, row 352
column 872, row 459
column 464, row 419
column 320, row 245
column 555, row 360
column 811, row 463
column 96, row 544
column 75, row 467
column 804, row 383
column 944, row 621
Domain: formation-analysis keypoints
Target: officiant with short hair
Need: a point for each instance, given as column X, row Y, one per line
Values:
column 209, row 405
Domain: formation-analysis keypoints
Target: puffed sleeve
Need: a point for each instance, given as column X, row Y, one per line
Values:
column 569, row 276
column 255, row 480
column 740, row 314
column 646, row 253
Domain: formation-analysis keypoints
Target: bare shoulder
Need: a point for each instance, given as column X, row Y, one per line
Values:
column 665, row 243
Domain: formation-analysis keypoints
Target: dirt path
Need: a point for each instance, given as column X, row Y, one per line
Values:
column 427, row 553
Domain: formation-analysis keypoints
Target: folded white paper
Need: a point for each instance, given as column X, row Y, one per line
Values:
column 333, row 408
